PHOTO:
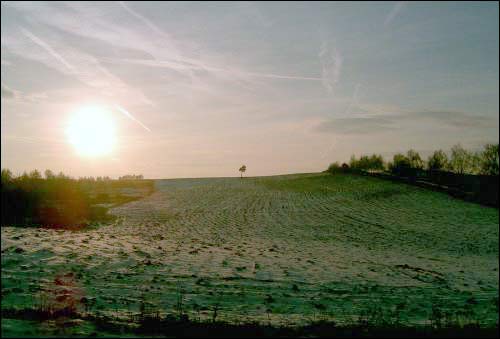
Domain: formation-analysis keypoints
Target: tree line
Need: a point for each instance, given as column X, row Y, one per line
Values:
column 58, row 199
column 460, row 161
column 131, row 177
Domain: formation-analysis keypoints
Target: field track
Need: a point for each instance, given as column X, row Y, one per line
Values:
column 284, row 249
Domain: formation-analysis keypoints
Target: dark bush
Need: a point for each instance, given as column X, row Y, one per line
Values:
column 60, row 201
column 366, row 163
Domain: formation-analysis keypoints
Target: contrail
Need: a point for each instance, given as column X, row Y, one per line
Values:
column 46, row 47
column 327, row 151
column 181, row 66
column 153, row 27
column 354, row 99
column 124, row 111
column 143, row 19
column 394, row 12
column 33, row 139
column 331, row 61
column 278, row 76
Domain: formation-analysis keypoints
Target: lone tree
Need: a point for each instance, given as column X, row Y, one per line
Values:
column 242, row 170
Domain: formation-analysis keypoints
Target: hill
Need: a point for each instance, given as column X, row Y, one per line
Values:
column 283, row 249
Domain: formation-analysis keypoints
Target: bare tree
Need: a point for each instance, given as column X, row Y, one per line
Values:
column 242, row 170
column 49, row 174
column 414, row 159
column 35, row 174
column 461, row 159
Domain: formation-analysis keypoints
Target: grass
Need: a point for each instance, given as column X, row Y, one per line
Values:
column 283, row 252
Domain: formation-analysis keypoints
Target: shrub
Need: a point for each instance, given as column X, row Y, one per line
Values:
column 399, row 164
column 437, row 161
column 129, row 177
column 462, row 161
column 334, row 168
column 489, row 160
column 366, row 163
column 60, row 201
column 414, row 159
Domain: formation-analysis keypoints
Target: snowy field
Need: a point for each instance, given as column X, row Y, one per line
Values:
column 284, row 249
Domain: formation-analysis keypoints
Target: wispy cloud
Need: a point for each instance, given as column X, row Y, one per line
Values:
column 251, row 72
column 33, row 140
column 398, row 6
column 209, row 73
column 131, row 117
column 354, row 99
column 47, row 47
column 144, row 20
column 328, row 149
column 187, row 65
column 279, row 76
column 376, row 124
column 67, row 57
column 357, row 125
column 8, row 93
column 331, row 62
column 13, row 94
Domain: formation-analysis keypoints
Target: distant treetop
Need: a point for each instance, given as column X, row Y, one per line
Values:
column 131, row 177
column 242, row 170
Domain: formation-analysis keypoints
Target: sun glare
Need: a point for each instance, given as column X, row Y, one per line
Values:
column 91, row 131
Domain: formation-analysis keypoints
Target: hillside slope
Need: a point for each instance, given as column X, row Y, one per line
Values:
column 285, row 249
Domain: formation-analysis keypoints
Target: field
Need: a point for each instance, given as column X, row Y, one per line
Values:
column 284, row 250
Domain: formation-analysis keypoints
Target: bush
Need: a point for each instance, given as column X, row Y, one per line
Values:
column 438, row 161
column 400, row 163
column 489, row 160
column 31, row 200
column 462, row 160
column 131, row 177
column 414, row 159
column 366, row 163
column 334, row 168
column 60, row 201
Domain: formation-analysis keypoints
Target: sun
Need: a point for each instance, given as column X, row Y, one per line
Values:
column 91, row 131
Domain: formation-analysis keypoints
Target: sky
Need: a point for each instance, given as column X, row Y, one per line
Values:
column 196, row 89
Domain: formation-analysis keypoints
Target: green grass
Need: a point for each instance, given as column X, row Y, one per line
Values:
column 345, row 184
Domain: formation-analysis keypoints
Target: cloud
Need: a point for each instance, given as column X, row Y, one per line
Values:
column 354, row 99
column 398, row 6
column 375, row 124
column 144, row 20
column 47, row 48
column 12, row 94
column 131, row 117
column 331, row 62
column 358, row 125
column 109, row 36
column 194, row 66
column 64, row 55
column 451, row 118
column 167, row 52
column 8, row 93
